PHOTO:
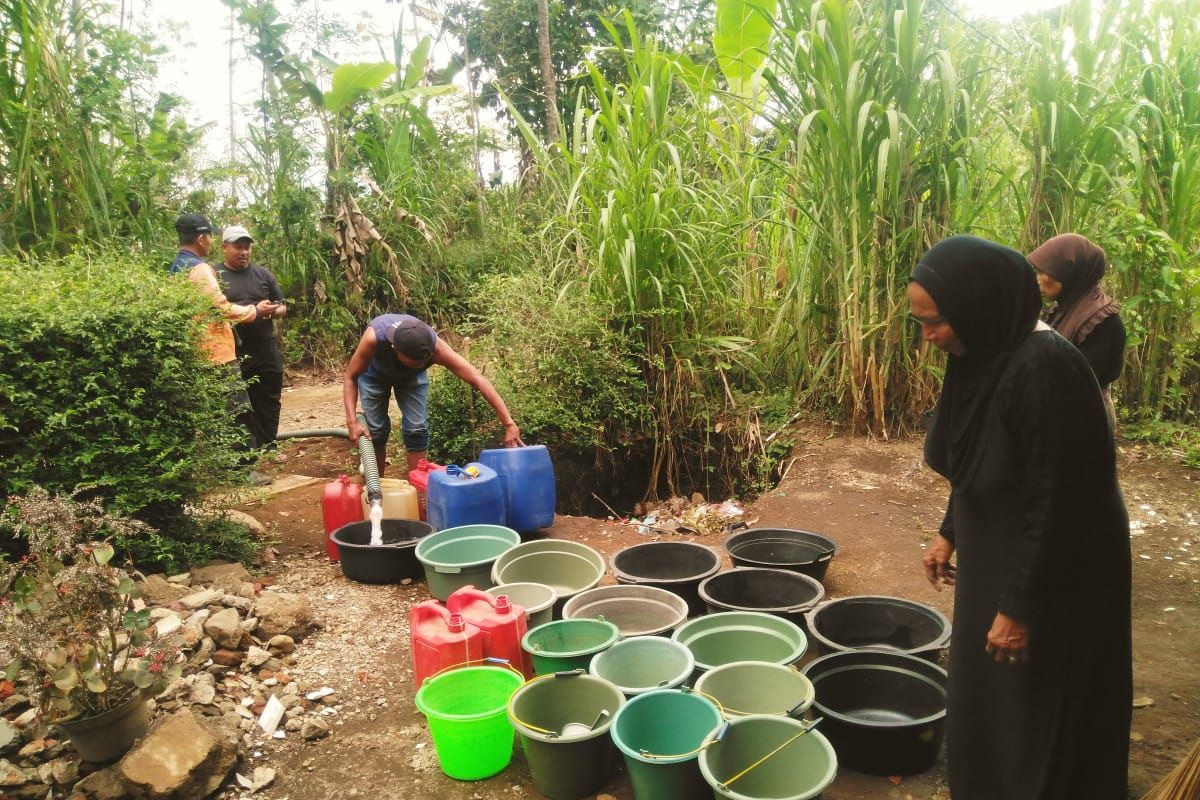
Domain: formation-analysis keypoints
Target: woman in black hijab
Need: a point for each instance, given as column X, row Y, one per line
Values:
column 1069, row 269
column 1040, row 657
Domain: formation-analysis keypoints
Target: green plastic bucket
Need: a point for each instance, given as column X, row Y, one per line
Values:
column 718, row 639
column 643, row 664
column 466, row 711
column 568, row 644
column 801, row 770
column 660, row 734
column 563, row 722
column 756, row 687
column 536, row 598
column 463, row 556
column 570, row 567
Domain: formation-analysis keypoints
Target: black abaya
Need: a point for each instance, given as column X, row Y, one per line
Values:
column 1041, row 534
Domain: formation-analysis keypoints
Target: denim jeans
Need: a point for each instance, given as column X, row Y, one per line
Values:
column 374, row 393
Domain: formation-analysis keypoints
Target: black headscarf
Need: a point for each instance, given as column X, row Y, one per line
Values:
column 989, row 295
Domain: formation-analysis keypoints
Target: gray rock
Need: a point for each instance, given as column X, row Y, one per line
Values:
column 281, row 644
column 17, row 702
column 183, row 757
column 158, row 591
column 200, row 599
column 182, row 579
column 293, row 725
column 167, row 625
column 224, row 627
column 249, row 624
column 246, row 590
column 240, row 603
column 102, row 785
column 283, row 613
column 12, row 775
column 273, row 664
column 203, row 653
column 256, row 656
column 215, row 572
column 203, row 693
column 314, row 729
column 10, row 737
column 64, row 771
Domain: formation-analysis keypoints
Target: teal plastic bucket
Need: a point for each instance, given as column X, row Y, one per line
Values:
column 660, row 733
column 467, row 713
column 643, row 664
column 568, row 644
column 563, row 721
column 756, row 687
column 801, row 769
column 463, row 556
column 718, row 639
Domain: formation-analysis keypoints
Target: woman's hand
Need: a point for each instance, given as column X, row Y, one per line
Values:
column 1008, row 640
column 938, row 568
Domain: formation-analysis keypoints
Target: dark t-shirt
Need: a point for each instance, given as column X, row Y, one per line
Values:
column 256, row 345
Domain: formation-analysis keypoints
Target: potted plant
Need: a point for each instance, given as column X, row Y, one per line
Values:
column 71, row 627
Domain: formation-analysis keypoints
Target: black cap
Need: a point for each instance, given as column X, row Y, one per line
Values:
column 414, row 339
column 193, row 224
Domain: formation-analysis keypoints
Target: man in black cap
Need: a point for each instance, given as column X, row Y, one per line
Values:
column 195, row 241
column 258, row 352
column 392, row 357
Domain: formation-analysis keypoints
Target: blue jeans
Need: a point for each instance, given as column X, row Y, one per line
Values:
column 374, row 393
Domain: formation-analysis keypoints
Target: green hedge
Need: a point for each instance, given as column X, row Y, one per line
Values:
column 107, row 394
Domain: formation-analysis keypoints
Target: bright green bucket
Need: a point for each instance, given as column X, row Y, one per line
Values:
column 467, row 710
column 660, row 734
column 568, row 644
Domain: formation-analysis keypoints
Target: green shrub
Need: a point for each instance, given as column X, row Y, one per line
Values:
column 108, row 395
column 570, row 381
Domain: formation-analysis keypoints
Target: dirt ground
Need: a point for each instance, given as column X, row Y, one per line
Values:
column 874, row 498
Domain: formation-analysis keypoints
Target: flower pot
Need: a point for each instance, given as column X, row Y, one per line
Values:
column 107, row 736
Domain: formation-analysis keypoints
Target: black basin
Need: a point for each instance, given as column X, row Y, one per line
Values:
column 885, row 713
column 773, row 591
column 390, row 562
column 675, row 566
column 879, row 623
column 782, row 548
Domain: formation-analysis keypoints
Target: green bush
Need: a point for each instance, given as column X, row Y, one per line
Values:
column 108, row 395
column 570, row 381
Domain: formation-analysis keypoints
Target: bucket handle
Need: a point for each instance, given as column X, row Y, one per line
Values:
column 549, row 734
column 447, row 570
column 724, row 786
column 717, row 736
column 828, row 554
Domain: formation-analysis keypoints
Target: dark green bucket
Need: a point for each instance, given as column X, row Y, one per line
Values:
column 660, row 733
column 563, row 721
column 568, row 644
column 764, row 757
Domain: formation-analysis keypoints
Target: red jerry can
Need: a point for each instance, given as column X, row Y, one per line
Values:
column 502, row 623
column 419, row 478
column 441, row 640
column 340, row 505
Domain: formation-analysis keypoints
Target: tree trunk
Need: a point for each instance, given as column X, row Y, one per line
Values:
column 548, row 78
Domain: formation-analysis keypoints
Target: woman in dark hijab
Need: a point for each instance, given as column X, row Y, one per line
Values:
column 1069, row 271
column 1040, row 656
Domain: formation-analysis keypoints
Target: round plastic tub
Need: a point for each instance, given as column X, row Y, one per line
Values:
column 462, row 556
column 635, row 610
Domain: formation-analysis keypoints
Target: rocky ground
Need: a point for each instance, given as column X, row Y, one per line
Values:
column 334, row 654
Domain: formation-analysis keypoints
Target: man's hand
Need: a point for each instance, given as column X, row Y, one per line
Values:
column 938, row 568
column 357, row 431
column 512, row 435
column 265, row 308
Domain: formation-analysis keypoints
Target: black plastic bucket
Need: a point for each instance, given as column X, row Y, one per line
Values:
column 782, row 548
column 879, row 623
column 390, row 562
column 675, row 566
column 773, row 591
column 884, row 713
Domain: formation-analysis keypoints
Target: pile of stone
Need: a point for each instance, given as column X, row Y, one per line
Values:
column 238, row 637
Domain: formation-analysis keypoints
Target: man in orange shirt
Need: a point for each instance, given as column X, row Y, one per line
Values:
column 195, row 243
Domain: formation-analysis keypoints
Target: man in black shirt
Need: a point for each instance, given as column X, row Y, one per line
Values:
column 257, row 348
